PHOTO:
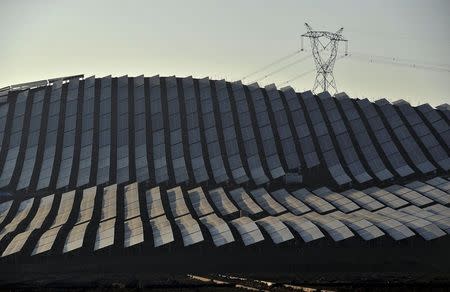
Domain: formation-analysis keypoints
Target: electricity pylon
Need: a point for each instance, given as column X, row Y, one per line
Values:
column 324, row 41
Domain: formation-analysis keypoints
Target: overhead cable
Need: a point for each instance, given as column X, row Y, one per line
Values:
column 399, row 64
column 401, row 60
column 290, row 55
column 283, row 68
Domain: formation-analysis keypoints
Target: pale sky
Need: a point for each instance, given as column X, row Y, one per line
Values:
column 228, row 39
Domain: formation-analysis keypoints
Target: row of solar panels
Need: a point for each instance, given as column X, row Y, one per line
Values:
column 178, row 130
column 228, row 215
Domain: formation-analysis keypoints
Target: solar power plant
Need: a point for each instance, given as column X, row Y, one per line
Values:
column 187, row 171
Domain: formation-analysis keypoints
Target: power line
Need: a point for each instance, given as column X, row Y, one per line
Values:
column 399, row 64
column 283, row 68
column 397, row 36
column 290, row 55
column 404, row 60
column 298, row 76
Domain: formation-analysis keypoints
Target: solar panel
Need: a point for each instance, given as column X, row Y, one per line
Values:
column 405, row 138
column 190, row 230
column 339, row 201
column 386, row 197
column 364, row 228
column 423, row 227
column 140, row 130
column 440, row 183
column 439, row 209
column 22, row 213
column 276, row 229
column 45, row 205
column 335, row 228
column 17, row 243
column 283, row 128
column 394, row 228
column 158, row 147
column 176, row 202
column 424, row 134
column 362, row 199
column 3, row 116
column 122, row 173
column 319, row 126
column 305, row 228
column 218, row 228
column 87, row 205
column 301, row 127
column 131, row 201
column 196, row 152
column 294, row 205
column 436, row 121
column 434, row 193
column 12, row 151
column 105, row 234
column 440, row 220
column 263, row 123
column 4, row 210
column 317, row 203
column 199, row 202
column 229, row 133
column 248, row 230
column 222, row 202
column 266, row 202
column 244, row 201
column 133, row 232
column 256, row 171
column 409, row 195
column 383, row 137
column 154, row 203
column 215, row 157
column 339, row 130
column 51, row 135
column 109, row 202
column 32, row 141
column 70, row 121
column 162, row 231
column 45, row 242
column 75, row 237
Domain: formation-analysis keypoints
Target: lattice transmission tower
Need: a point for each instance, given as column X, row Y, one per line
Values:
column 324, row 46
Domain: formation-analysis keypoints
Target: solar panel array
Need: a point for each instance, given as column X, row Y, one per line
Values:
column 109, row 162
column 217, row 217
column 81, row 132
